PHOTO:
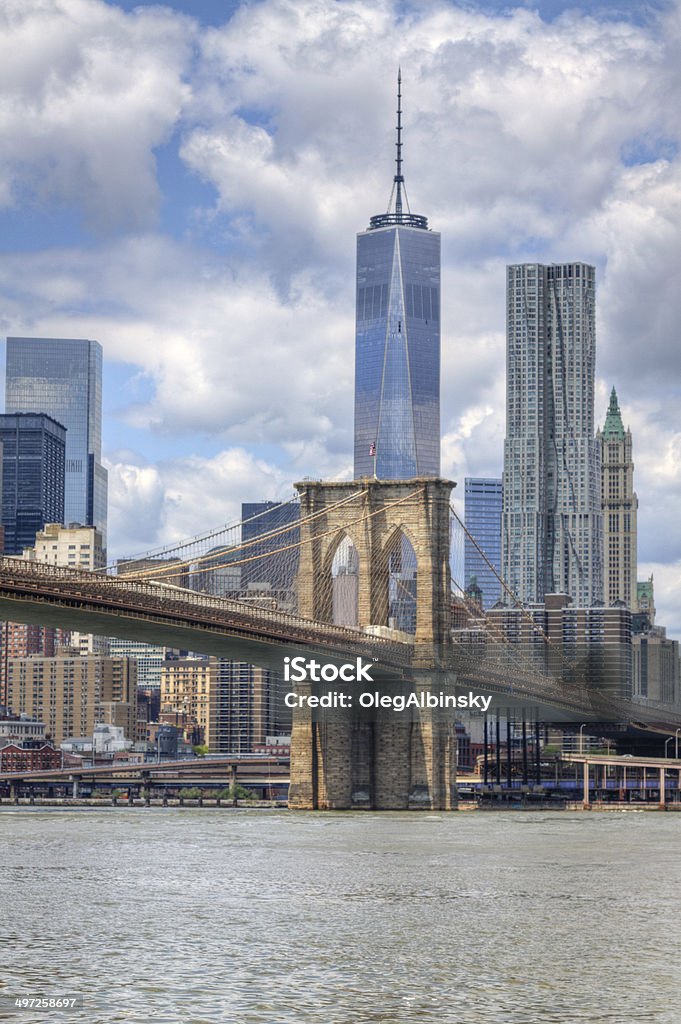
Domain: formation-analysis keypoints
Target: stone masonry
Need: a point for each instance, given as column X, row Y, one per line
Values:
column 383, row 760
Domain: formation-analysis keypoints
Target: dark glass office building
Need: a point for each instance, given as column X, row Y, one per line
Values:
column 33, row 459
column 269, row 528
column 397, row 342
column 63, row 377
column 482, row 516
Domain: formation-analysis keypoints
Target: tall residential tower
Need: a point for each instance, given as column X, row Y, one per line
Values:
column 397, row 340
column 551, row 526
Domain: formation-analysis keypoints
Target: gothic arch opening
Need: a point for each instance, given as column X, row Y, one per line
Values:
column 345, row 584
column 401, row 568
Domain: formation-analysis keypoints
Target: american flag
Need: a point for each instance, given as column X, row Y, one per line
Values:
column 372, row 449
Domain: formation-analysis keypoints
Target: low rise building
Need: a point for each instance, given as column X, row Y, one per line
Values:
column 20, row 729
column 30, row 756
column 277, row 746
column 109, row 739
column 24, row 746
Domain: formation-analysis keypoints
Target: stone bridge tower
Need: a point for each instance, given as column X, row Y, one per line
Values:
column 375, row 556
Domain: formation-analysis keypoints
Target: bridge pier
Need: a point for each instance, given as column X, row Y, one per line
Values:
column 391, row 763
column 433, row 755
column 387, row 759
column 321, row 753
column 363, row 761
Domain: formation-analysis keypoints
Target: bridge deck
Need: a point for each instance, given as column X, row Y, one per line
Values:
column 155, row 612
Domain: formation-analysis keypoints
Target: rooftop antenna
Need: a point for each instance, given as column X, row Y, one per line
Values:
column 399, row 177
column 399, row 189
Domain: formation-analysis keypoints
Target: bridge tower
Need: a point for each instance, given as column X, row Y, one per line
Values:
column 392, row 538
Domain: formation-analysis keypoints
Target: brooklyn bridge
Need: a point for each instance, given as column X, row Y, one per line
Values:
column 359, row 569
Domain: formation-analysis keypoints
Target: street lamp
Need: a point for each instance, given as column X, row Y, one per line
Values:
column 676, row 744
column 581, row 737
column 666, row 744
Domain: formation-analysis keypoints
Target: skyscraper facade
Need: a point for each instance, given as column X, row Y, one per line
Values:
column 482, row 517
column 186, row 696
column 21, row 640
column 246, row 706
column 269, row 528
column 619, row 506
column 552, row 539
column 149, row 658
column 33, row 454
column 397, row 341
column 63, row 377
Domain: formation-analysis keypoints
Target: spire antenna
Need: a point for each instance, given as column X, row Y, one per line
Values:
column 399, row 178
column 399, row 190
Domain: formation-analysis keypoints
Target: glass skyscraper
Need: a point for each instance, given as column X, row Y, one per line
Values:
column 63, row 377
column 277, row 569
column 33, row 447
column 482, row 516
column 397, row 341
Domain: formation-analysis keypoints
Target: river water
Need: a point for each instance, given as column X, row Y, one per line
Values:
column 257, row 917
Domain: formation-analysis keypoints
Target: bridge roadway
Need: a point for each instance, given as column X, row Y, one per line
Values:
column 218, row 771
column 155, row 612
column 624, row 761
column 603, row 773
column 547, row 698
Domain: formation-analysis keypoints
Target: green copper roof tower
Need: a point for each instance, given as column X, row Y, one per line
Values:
column 620, row 506
column 614, row 428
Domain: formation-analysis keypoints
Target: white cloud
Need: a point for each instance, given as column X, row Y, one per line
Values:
column 519, row 140
column 639, row 226
column 228, row 355
column 153, row 505
column 88, row 92
column 513, row 127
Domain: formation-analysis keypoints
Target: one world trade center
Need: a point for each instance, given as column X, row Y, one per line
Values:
column 397, row 346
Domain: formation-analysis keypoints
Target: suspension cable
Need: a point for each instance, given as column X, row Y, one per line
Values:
column 300, row 543
column 167, row 549
column 160, row 571
column 517, row 604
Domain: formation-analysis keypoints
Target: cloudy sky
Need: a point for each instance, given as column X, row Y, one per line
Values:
column 184, row 183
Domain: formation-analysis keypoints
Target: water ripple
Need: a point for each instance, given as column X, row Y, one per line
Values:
column 277, row 918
